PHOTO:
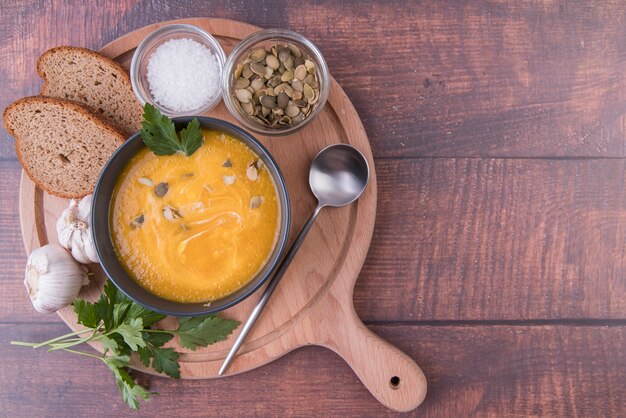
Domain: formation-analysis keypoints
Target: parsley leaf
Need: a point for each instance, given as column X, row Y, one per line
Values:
column 203, row 330
column 131, row 391
column 109, row 344
column 165, row 360
column 157, row 339
column 159, row 134
column 191, row 137
column 131, row 332
column 87, row 314
column 117, row 361
column 144, row 355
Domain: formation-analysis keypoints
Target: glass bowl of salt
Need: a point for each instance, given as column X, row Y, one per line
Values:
column 178, row 69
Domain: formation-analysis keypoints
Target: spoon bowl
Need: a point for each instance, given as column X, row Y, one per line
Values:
column 338, row 176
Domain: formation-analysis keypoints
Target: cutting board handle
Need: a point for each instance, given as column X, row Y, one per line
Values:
column 389, row 374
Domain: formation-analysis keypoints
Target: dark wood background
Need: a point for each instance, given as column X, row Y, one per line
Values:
column 499, row 256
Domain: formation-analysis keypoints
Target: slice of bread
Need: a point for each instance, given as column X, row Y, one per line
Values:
column 95, row 81
column 61, row 145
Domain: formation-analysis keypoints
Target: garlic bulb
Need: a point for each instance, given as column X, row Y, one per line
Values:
column 74, row 232
column 53, row 278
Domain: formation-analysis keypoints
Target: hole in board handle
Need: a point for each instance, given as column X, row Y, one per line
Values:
column 394, row 382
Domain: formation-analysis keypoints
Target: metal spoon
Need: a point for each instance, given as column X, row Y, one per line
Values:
column 338, row 176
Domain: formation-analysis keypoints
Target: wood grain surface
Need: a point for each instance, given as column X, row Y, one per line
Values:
column 498, row 257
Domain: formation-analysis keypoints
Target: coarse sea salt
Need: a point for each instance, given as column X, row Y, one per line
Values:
column 183, row 74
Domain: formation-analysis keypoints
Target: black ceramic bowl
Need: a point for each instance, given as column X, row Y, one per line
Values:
column 101, row 225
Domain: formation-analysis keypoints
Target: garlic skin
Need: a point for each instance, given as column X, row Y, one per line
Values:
column 74, row 233
column 53, row 278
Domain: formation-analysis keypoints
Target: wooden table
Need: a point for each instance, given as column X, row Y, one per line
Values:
column 499, row 256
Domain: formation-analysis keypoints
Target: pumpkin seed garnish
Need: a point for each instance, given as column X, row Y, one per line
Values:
column 145, row 181
column 228, row 180
column 252, row 172
column 161, row 189
column 256, row 201
column 138, row 221
column 277, row 88
column 171, row 213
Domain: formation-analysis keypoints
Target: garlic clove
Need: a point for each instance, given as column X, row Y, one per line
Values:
column 74, row 233
column 53, row 278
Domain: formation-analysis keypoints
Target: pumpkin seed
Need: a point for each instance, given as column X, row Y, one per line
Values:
column 228, row 180
column 282, row 100
column 288, row 63
column 246, row 71
column 310, row 66
column 295, row 51
column 238, row 71
column 315, row 97
column 171, row 213
column 138, row 221
column 299, row 118
column 283, row 54
column 272, row 62
column 257, row 84
column 257, row 55
column 248, row 108
column 310, row 80
column 292, row 111
column 300, row 103
column 287, row 76
column 297, row 85
column 298, row 61
column 161, row 189
column 145, row 181
column 258, row 69
column 300, row 72
column 256, row 201
column 252, row 173
column 296, row 95
column 274, row 81
column 308, row 92
column 268, row 101
column 242, row 83
column 243, row 95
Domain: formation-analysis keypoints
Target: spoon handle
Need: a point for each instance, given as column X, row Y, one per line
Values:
column 269, row 290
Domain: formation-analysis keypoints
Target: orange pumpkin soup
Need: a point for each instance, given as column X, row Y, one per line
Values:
column 198, row 228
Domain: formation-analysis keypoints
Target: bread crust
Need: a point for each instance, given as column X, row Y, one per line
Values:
column 75, row 107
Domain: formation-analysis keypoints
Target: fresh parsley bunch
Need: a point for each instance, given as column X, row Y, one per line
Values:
column 124, row 327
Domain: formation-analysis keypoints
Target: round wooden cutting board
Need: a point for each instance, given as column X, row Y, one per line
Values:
column 313, row 303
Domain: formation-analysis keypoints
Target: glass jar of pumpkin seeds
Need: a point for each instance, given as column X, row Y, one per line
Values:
column 275, row 82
